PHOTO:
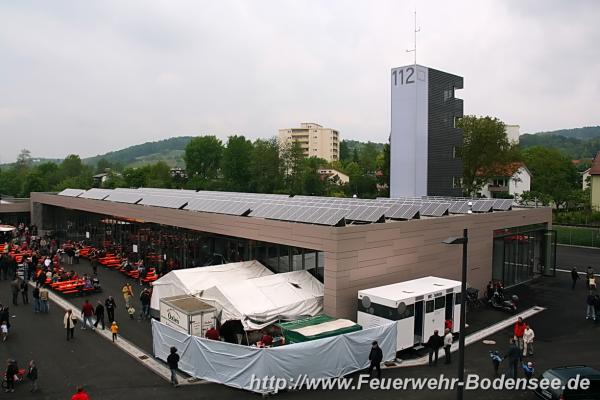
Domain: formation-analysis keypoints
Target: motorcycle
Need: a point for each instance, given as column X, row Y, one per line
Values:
column 498, row 302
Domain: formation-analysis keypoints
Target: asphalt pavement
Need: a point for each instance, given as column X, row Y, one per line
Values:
column 563, row 337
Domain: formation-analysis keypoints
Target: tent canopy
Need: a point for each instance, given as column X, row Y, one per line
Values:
column 262, row 301
column 192, row 281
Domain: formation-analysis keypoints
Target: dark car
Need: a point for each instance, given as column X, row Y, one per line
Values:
column 566, row 374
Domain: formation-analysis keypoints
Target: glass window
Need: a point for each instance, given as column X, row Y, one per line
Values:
column 429, row 306
column 440, row 302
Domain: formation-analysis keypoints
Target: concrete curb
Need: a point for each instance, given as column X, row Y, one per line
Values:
column 474, row 337
column 141, row 356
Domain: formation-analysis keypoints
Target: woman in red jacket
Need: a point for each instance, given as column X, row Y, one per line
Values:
column 519, row 330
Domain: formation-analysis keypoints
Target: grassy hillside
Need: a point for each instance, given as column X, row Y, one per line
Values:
column 169, row 150
column 573, row 146
column 587, row 132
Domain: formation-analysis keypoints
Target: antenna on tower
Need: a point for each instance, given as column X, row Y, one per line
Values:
column 417, row 30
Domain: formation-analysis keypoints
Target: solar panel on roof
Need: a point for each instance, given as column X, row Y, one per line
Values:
column 459, row 207
column 71, row 192
column 366, row 213
column 96, row 194
column 441, row 209
column 483, row 205
column 164, row 201
column 402, row 211
column 124, row 197
column 503, row 204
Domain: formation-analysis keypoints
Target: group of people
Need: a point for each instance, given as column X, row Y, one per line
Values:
column 436, row 342
column 520, row 347
column 592, row 300
column 13, row 374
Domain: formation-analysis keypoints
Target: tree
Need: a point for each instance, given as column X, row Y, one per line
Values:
column 236, row 163
column 553, row 174
column 23, row 161
column 158, row 175
column 344, row 151
column 368, row 158
column 134, row 177
column 485, row 149
column 71, row 166
column 265, row 167
column 203, row 156
column 34, row 182
column 103, row 165
column 293, row 159
column 11, row 182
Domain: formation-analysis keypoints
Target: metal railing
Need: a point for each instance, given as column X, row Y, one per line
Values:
column 577, row 235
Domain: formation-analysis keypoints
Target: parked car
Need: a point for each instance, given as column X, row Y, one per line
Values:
column 566, row 374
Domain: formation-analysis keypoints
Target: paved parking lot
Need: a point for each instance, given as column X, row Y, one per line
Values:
column 563, row 337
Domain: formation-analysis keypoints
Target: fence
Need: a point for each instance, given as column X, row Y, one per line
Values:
column 578, row 235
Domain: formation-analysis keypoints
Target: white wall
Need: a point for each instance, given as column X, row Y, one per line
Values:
column 520, row 182
column 408, row 152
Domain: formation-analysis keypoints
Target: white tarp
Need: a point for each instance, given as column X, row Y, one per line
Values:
column 191, row 281
column 262, row 301
column 241, row 366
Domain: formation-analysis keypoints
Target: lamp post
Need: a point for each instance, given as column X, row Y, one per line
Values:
column 461, row 338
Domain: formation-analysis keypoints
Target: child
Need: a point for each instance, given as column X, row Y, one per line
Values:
column 496, row 360
column 131, row 312
column 528, row 370
column 114, row 328
column 4, row 330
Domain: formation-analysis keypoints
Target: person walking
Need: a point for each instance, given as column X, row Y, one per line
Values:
column 589, row 277
column 145, row 300
column 591, row 309
column 574, row 277
column 114, row 329
column 4, row 330
column 496, row 357
column 519, row 330
column 32, row 375
column 110, row 305
column 448, row 339
column 528, row 337
column 87, row 314
column 69, row 321
column 375, row 357
column 37, row 305
column 173, row 361
column 44, row 300
column 434, row 344
column 99, row 315
column 127, row 294
column 513, row 354
column 25, row 292
column 15, row 287
column 11, row 371
column 80, row 394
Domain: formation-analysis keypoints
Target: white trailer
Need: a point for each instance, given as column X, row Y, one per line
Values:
column 419, row 307
column 188, row 314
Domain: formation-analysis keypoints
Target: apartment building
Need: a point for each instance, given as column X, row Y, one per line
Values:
column 314, row 140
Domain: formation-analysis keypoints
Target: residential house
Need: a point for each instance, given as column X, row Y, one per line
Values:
column 512, row 179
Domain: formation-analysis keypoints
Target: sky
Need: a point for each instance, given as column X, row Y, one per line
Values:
column 88, row 77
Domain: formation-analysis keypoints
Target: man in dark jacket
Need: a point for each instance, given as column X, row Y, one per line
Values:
column 434, row 344
column 15, row 287
column 574, row 277
column 110, row 308
column 11, row 370
column 375, row 356
column 145, row 300
column 99, row 314
column 173, row 361
column 513, row 356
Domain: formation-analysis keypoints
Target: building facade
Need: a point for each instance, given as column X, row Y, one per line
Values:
column 504, row 245
column 314, row 140
column 424, row 137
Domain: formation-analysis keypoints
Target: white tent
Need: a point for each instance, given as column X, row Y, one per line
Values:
column 260, row 302
column 192, row 281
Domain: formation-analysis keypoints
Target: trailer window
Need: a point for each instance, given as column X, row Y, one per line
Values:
column 408, row 312
column 457, row 298
column 440, row 302
column 429, row 306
